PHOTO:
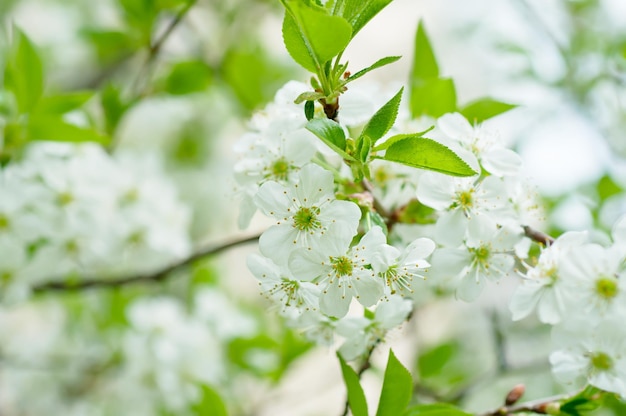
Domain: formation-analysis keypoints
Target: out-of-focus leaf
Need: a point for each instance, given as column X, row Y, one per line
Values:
column 484, row 108
column 113, row 107
column 356, row 397
column 433, row 97
column 111, row 45
column 432, row 361
column 63, row 103
column 253, row 76
column 188, row 77
column 312, row 36
column 397, row 388
column 54, row 128
column 607, row 187
column 210, row 403
column 23, row 74
column 424, row 61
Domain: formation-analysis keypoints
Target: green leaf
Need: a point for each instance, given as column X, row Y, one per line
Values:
column 210, row 403
column 312, row 36
column 308, row 96
column 397, row 388
column 111, row 46
column 423, row 153
column 63, row 103
column 363, row 147
column 113, row 107
column 381, row 62
column 432, row 361
column 381, row 122
column 484, row 108
column 309, row 110
column 435, row 409
column 23, row 74
column 384, row 145
column 424, row 61
column 330, row 133
column 433, row 97
column 188, row 77
column 356, row 397
column 358, row 12
column 252, row 75
column 54, row 128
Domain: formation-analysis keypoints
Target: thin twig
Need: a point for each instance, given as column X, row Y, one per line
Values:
column 155, row 47
column 539, row 406
column 538, row 236
column 160, row 275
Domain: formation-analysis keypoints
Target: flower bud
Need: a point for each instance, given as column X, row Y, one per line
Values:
column 515, row 394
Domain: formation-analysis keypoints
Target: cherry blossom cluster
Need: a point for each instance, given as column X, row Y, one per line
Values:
column 346, row 259
column 330, row 252
column 69, row 211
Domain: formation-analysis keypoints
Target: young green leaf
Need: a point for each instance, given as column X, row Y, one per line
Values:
column 381, row 122
column 356, row 397
column 187, row 77
column 330, row 133
column 424, row 61
column 397, row 388
column 399, row 137
column 308, row 96
column 63, row 103
column 358, row 12
column 363, row 148
column 312, row 36
column 380, row 63
column 484, row 108
column 210, row 403
column 435, row 409
column 433, row 97
column 23, row 74
column 54, row 128
column 309, row 110
column 423, row 153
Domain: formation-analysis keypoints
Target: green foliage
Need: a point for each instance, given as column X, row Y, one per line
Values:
column 187, row 77
column 356, row 397
column 430, row 94
column 378, row 64
column 55, row 128
column 431, row 362
column 210, row 403
column 357, row 12
column 252, row 75
column 113, row 107
column 383, row 120
column 111, row 46
column 582, row 403
column 435, row 409
column 23, row 74
column 64, row 102
column 330, row 133
column 484, row 108
column 312, row 36
column 606, row 188
column 423, row 153
column 397, row 388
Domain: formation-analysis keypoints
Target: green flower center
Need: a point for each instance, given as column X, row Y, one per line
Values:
column 481, row 254
column 606, row 287
column 280, row 169
column 306, row 219
column 342, row 265
column 465, row 199
column 4, row 222
column 65, row 198
column 601, row 361
column 552, row 274
column 132, row 195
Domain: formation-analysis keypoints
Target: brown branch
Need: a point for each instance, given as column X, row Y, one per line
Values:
column 538, row 236
column 157, row 276
column 540, row 406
